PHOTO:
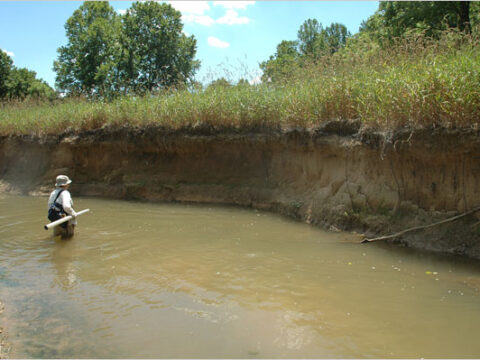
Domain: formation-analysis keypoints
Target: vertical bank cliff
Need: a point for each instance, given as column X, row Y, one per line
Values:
column 338, row 175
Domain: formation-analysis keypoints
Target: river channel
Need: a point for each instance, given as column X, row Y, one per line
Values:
column 144, row 280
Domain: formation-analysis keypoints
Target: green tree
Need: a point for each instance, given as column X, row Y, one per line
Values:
column 18, row 83
column 337, row 36
column 22, row 83
column 220, row 83
column 312, row 39
column 474, row 15
column 88, row 63
column 314, row 42
column 5, row 69
column 375, row 26
column 41, row 90
column 107, row 54
column 157, row 54
column 242, row 82
column 395, row 18
column 431, row 15
column 282, row 64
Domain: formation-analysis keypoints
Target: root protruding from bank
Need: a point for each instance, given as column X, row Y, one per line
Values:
column 421, row 227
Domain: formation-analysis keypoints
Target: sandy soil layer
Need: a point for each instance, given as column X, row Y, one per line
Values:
column 337, row 176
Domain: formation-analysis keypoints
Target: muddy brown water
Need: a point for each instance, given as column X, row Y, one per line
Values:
column 182, row 281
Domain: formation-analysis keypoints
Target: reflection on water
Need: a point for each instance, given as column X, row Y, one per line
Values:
column 178, row 281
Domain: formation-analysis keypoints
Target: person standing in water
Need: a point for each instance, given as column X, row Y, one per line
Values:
column 60, row 204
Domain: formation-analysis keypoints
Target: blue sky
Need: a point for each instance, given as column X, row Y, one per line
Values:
column 233, row 37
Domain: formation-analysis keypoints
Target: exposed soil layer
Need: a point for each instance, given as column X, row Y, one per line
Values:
column 340, row 175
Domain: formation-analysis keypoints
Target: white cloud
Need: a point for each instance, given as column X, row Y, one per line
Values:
column 198, row 19
column 122, row 11
column 191, row 7
column 233, row 4
column 195, row 12
column 213, row 41
column 232, row 18
column 9, row 53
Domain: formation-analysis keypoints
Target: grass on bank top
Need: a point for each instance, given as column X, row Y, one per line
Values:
column 417, row 83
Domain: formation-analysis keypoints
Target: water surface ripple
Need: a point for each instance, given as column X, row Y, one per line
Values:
column 184, row 281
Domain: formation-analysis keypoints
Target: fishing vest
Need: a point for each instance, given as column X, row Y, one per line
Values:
column 56, row 210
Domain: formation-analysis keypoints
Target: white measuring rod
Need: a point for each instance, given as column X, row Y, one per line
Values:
column 64, row 219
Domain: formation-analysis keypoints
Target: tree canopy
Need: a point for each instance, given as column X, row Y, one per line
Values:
column 395, row 18
column 107, row 54
column 283, row 63
column 5, row 68
column 313, row 42
column 158, row 53
column 392, row 20
column 86, row 65
column 21, row 83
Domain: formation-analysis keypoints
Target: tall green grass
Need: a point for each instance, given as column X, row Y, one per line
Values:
column 418, row 82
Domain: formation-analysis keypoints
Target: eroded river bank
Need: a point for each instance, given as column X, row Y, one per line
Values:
column 339, row 175
column 194, row 281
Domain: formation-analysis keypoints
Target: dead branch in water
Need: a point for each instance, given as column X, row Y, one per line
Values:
column 422, row 227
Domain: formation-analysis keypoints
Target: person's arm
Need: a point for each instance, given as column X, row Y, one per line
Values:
column 67, row 203
column 50, row 200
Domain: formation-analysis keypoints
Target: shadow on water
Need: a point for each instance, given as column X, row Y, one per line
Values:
column 425, row 256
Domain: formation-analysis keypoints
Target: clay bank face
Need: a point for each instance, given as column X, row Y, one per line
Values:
column 183, row 281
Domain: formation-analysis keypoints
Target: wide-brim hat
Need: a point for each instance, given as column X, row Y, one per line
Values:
column 63, row 180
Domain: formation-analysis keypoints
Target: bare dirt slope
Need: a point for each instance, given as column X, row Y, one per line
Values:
column 337, row 175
